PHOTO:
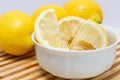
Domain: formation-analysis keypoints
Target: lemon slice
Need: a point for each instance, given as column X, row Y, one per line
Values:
column 47, row 31
column 70, row 25
column 91, row 33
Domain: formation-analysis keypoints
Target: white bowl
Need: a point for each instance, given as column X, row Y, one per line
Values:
column 78, row 64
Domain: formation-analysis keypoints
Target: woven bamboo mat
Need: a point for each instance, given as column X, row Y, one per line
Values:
column 26, row 68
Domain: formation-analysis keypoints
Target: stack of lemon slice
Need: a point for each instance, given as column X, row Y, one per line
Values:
column 71, row 33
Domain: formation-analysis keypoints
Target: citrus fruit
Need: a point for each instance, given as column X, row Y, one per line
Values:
column 15, row 32
column 60, row 12
column 70, row 25
column 47, row 31
column 71, row 33
column 91, row 33
column 88, row 9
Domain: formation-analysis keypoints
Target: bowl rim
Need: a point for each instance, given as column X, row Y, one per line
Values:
column 86, row 51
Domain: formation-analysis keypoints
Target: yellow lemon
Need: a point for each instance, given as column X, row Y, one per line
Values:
column 16, row 28
column 70, row 33
column 60, row 12
column 88, row 9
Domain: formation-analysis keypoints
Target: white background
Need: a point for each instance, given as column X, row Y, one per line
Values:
column 111, row 8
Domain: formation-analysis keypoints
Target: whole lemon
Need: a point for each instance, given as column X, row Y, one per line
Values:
column 60, row 12
column 16, row 28
column 88, row 9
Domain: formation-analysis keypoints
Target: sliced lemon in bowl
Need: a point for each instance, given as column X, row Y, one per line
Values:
column 70, row 33
column 47, row 31
column 92, row 34
column 70, row 25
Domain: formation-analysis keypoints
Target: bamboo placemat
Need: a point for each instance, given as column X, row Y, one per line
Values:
column 26, row 68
